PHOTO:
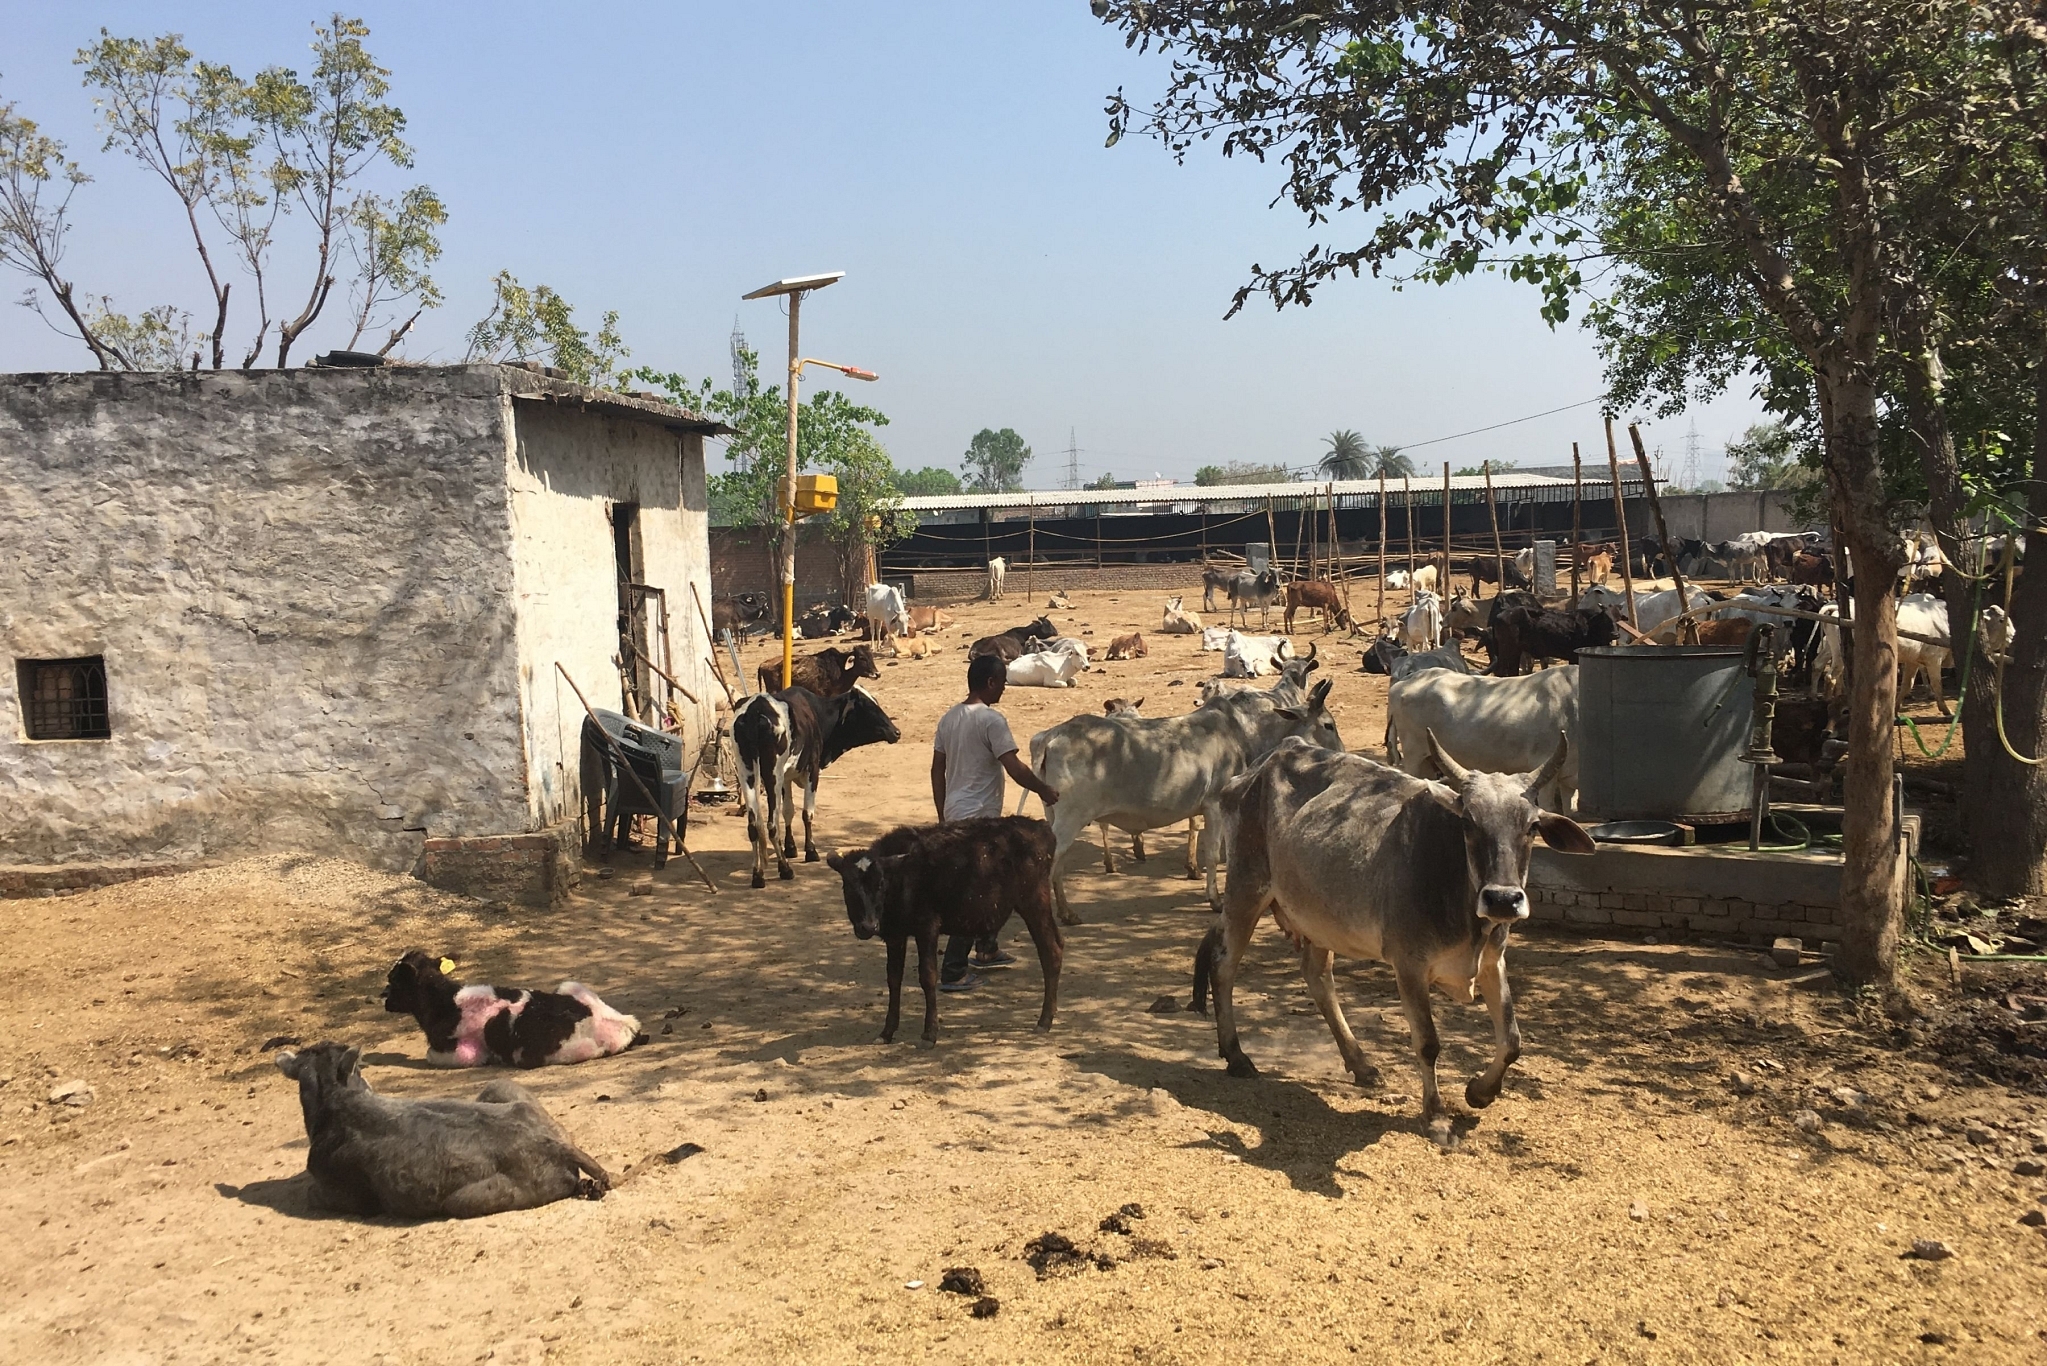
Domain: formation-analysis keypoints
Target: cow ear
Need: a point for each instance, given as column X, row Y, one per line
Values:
column 835, row 861
column 1446, row 797
column 1288, row 712
column 287, row 1063
column 1563, row 834
column 351, row 1063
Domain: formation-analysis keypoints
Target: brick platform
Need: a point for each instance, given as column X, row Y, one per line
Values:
column 62, row 879
column 524, row 870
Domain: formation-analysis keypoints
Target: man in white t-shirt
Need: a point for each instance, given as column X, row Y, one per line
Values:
column 971, row 751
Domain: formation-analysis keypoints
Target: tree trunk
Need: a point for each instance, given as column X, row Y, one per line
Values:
column 1872, row 894
column 2004, row 802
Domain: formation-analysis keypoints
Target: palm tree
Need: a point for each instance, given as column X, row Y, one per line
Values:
column 1388, row 460
column 1347, row 456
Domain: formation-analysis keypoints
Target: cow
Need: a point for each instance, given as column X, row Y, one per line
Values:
column 1421, row 661
column 1524, row 560
column 1045, row 669
column 1214, row 580
column 824, row 620
column 1814, row 568
column 1654, row 608
column 1502, row 725
column 1381, row 654
column 1595, row 565
column 1926, row 615
column 1144, row 773
column 425, row 1159
column 1483, row 569
column 1178, row 622
column 469, row 1026
column 1396, row 579
column 1127, row 647
column 1829, row 666
column 885, row 615
column 1471, row 615
column 782, row 737
column 958, row 877
column 827, row 673
column 1357, row 859
column 1995, row 633
column 1246, row 656
column 1015, row 641
column 1293, row 680
column 1260, row 590
column 923, row 619
column 740, row 612
column 1059, row 602
column 1319, row 594
column 1521, row 634
column 998, row 571
column 1421, row 625
column 1719, row 631
column 1425, row 578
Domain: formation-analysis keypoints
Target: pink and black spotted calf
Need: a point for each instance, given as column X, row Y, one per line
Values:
column 476, row 1025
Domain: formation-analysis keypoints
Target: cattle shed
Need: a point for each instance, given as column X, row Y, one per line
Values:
column 321, row 610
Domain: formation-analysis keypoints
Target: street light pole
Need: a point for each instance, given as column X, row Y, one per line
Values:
column 789, row 503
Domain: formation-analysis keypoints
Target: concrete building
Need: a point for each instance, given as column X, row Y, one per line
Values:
column 320, row 610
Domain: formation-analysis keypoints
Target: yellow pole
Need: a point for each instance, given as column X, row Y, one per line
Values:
column 789, row 507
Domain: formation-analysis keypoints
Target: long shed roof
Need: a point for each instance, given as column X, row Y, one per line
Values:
column 1218, row 493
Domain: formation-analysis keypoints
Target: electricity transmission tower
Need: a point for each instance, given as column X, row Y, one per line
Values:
column 738, row 366
column 1689, row 472
column 1072, row 460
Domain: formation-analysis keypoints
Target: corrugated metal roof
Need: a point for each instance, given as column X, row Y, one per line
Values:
column 1214, row 493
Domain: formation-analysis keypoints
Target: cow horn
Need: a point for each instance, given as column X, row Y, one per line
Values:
column 1545, row 775
column 1457, row 774
column 1312, row 648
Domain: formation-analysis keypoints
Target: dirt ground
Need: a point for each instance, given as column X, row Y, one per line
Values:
column 1629, row 1198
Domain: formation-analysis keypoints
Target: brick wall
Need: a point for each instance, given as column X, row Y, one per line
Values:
column 524, row 870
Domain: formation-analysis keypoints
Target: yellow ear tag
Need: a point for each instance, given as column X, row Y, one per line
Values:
column 447, row 967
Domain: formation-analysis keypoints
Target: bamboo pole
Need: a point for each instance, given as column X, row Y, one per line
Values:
column 1407, row 502
column 1499, row 551
column 1382, row 544
column 1098, row 547
column 1299, row 530
column 664, row 829
column 711, row 645
column 1677, row 578
column 1620, row 515
column 1271, row 534
column 1577, row 518
column 1443, row 584
column 1031, row 553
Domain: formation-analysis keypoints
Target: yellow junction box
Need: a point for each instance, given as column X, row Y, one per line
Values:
column 816, row 493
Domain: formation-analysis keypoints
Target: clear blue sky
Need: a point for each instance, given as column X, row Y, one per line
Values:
column 1002, row 267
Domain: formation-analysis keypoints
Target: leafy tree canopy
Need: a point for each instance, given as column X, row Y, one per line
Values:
column 539, row 324
column 930, row 482
column 1242, row 472
column 994, row 461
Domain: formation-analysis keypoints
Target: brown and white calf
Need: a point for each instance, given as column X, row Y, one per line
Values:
column 959, row 877
column 1127, row 647
column 474, row 1025
column 1358, row 859
column 790, row 736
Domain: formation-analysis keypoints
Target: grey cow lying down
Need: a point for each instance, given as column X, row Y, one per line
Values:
column 425, row 1159
column 1358, row 859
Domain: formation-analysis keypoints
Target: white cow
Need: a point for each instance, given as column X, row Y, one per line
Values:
column 1995, row 627
column 1215, row 637
column 1254, row 656
column 1927, row 615
column 1654, row 610
column 1178, row 622
column 1142, row 774
column 1425, row 579
column 1421, row 625
column 1497, row 725
column 886, row 617
column 1524, row 560
column 998, row 568
column 1828, row 669
column 1396, row 578
column 1045, row 669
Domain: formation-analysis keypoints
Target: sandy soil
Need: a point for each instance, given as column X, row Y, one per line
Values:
column 1625, row 1200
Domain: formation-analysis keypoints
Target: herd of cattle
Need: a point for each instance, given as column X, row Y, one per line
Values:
column 1419, row 861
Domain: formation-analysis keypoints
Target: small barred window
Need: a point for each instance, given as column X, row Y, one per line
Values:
column 64, row 699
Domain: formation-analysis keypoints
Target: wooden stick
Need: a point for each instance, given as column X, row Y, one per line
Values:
column 670, row 678
column 1663, row 534
column 1443, row 584
column 1341, row 575
column 664, row 829
column 1499, row 552
column 711, row 645
column 1031, row 554
column 1407, row 502
column 1271, row 535
column 1577, row 517
column 1382, row 543
column 1620, row 514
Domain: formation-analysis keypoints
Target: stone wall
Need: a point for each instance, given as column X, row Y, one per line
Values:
column 569, row 473
column 301, row 582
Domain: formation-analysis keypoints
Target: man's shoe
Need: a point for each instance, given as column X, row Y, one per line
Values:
column 998, row 959
column 966, row 983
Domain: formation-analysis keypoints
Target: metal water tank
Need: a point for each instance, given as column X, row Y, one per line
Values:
column 1659, row 729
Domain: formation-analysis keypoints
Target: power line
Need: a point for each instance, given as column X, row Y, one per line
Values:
column 1510, row 422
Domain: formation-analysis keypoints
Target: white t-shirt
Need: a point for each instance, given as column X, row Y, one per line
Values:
column 973, row 737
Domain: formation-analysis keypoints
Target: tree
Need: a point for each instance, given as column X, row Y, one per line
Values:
column 1107, row 481
column 1499, row 467
column 1467, row 131
column 1242, row 472
column 1389, row 461
column 994, row 461
column 537, row 323
column 1768, row 456
column 870, row 512
column 1347, row 457
column 36, row 186
column 393, row 244
column 931, row 481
